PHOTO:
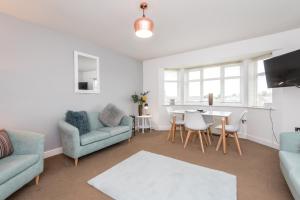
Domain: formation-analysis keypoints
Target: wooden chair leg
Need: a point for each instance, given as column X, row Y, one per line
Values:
column 201, row 142
column 181, row 134
column 170, row 132
column 37, row 180
column 129, row 140
column 205, row 139
column 76, row 162
column 219, row 142
column 208, row 136
column 187, row 138
column 173, row 134
column 210, row 133
column 236, row 139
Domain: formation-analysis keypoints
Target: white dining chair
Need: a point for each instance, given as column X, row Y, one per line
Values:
column 176, row 120
column 232, row 130
column 194, row 122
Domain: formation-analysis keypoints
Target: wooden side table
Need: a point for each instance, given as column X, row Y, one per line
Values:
column 144, row 122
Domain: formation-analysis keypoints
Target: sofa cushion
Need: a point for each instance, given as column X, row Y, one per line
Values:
column 15, row 164
column 93, row 136
column 111, row 115
column 290, row 160
column 114, row 130
column 6, row 147
column 94, row 121
column 294, row 176
column 79, row 120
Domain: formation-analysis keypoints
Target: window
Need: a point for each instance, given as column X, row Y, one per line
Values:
column 232, row 89
column 223, row 81
column 212, row 83
column 263, row 93
column 194, row 85
column 171, row 85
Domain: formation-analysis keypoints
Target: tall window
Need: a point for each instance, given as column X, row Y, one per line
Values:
column 171, row 85
column 263, row 93
column 211, row 82
column 232, row 80
column 194, row 85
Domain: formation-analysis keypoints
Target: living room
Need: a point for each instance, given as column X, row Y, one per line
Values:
column 149, row 100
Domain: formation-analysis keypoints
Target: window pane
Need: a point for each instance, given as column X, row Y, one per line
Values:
column 260, row 66
column 211, row 72
column 264, row 95
column 211, row 86
column 194, row 89
column 170, row 75
column 232, row 71
column 232, row 90
column 171, row 89
column 194, row 75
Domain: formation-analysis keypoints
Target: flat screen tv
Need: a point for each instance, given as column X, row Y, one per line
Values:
column 284, row 70
column 83, row 85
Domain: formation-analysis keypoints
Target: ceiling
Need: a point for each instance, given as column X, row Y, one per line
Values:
column 180, row 25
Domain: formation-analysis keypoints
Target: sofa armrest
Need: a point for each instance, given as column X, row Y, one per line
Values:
column 70, row 139
column 126, row 121
column 25, row 142
column 290, row 142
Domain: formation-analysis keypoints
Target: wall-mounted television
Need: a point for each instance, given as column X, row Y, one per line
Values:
column 284, row 70
column 83, row 85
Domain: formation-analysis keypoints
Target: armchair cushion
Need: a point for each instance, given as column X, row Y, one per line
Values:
column 111, row 115
column 93, row 136
column 115, row 130
column 6, row 148
column 15, row 164
column 79, row 120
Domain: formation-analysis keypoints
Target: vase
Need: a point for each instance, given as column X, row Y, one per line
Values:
column 140, row 108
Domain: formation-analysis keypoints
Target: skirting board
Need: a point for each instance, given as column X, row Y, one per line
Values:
column 53, row 152
column 263, row 142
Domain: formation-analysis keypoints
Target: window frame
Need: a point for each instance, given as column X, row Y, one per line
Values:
column 190, row 99
column 178, row 98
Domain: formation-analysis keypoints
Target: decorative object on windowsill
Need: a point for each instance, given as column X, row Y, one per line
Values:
column 143, row 26
column 210, row 99
column 172, row 102
column 141, row 100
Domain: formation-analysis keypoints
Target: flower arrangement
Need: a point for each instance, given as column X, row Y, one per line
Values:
column 141, row 100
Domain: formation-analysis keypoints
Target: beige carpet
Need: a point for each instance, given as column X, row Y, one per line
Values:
column 257, row 171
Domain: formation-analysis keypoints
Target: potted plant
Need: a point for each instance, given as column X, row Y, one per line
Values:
column 140, row 100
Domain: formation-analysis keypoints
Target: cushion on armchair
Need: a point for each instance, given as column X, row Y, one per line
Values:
column 6, row 147
column 111, row 115
column 79, row 120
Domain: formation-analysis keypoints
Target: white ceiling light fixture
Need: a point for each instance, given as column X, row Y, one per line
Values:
column 143, row 26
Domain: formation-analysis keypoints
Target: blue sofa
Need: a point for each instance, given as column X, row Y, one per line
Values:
column 25, row 164
column 289, row 156
column 100, row 136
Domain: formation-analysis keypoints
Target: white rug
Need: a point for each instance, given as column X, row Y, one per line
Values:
column 149, row 176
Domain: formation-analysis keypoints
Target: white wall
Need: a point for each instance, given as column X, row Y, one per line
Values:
column 37, row 78
column 258, row 123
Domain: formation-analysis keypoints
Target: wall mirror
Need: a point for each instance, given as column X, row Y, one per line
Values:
column 87, row 79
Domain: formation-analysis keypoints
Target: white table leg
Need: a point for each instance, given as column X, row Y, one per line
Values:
column 143, row 124
column 149, row 119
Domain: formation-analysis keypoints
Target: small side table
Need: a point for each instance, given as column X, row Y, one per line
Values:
column 144, row 122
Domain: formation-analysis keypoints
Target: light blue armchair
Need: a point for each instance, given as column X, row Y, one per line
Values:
column 25, row 164
column 289, row 156
column 100, row 136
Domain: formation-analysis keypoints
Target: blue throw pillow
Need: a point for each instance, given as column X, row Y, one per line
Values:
column 79, row 120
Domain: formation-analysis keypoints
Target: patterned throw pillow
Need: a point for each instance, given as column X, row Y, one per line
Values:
column 111, row 115
column 6, row 147
column 79, row 120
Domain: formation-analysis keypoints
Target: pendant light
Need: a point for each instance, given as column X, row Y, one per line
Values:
column 143, row 26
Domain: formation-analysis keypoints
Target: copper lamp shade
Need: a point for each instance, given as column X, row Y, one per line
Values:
column 143, row 26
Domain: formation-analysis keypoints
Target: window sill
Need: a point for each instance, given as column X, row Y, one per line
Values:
column 225, row 105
